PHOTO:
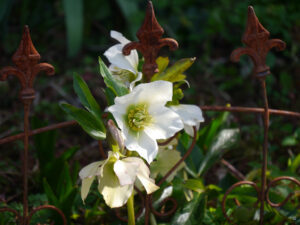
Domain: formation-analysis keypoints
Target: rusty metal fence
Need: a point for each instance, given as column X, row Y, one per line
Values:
column 258, row 44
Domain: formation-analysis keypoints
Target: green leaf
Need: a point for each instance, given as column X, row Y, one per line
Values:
column 75, row 171
column 189, row 214
column 118, row 88
column 110, row 96
column 174, row 73
column 289, row 141
column 86, row 98
column 69, row 153
column 130, row 10
column 244, row 214
column 195, row 185
column 89, row 123
column 225, row 139
column 50, row 194
column 64, row 181
column 44, row 143
column 162, row 64
column 295, row 164
column 5, row 8
column 74, row 23
column 67, row 202
column 166, row 159
column 207, row 134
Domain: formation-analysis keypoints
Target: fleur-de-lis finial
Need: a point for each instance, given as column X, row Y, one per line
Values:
column 256, row 38
column 26, row 59
column 150, row 42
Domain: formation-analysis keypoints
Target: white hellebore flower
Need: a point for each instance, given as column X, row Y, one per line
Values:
column 116, row 178
column 191, row 115
column 124, row 67
column 143, row 117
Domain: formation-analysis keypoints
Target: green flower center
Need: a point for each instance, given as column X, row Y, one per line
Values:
column 138, row 117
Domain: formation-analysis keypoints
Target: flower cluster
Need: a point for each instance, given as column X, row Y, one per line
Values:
column 144, row 113
column 116, row 176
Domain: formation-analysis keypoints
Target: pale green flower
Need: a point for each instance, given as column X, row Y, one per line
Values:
column 191, row 115
column 116, row 177
column 143, row 117
column 125, row 68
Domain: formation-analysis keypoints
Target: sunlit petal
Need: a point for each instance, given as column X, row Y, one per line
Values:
column 191, row 115
column 126, row 171
column 165, row 124
column 115, row 56
column 90, row 170
column 109, row 186
column 155, row 93
column 85, row 187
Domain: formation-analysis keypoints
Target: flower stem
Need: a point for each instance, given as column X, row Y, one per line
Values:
column 130, row 210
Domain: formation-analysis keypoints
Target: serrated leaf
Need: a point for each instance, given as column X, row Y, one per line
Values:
column 89, row 123
column 86, row 98
column 174, row 73
column 116, row 86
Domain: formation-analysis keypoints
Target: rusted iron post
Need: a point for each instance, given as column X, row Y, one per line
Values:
column 256, row 38
column 26, row 59
column 150, row 42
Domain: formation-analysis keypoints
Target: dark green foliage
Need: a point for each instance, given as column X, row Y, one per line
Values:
column 58, row 182
column 207, row 30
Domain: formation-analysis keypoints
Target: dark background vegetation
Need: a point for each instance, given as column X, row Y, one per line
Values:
column 72, row 34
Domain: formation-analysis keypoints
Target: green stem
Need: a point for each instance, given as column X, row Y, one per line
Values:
column 152, row 219
column 130, row 210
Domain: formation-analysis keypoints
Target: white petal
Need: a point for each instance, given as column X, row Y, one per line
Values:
column 90, row 170
column 138, row 78
column 189, row 129
column 112, row 157
column 190, row 114
column 115, row 56
column 113, row 193
column 85, row 187
column 143, row 173
column 165, row 123
column 119, row 37
column 118, row 113
column 149, row 145
column 126, row 171
column 155, row 93
column 87, row 175
column 143, row 144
